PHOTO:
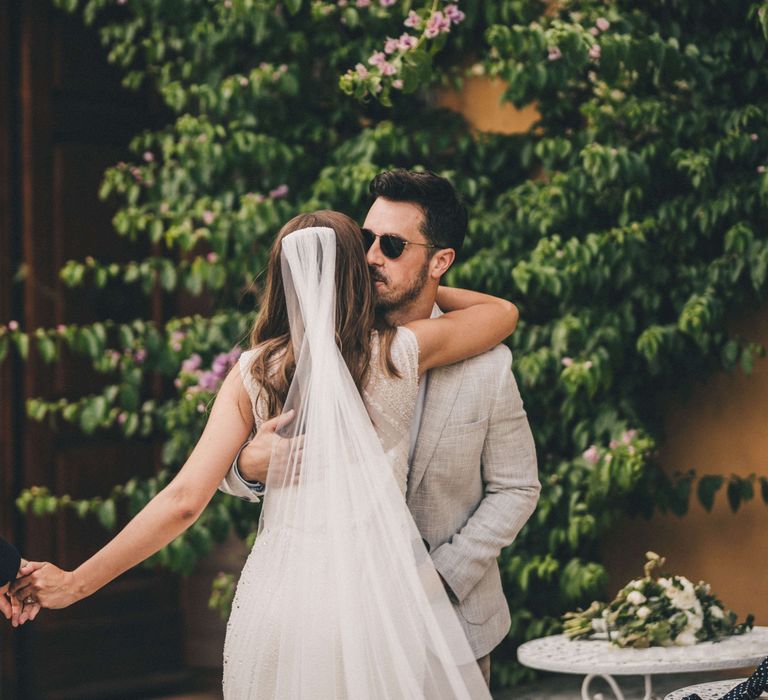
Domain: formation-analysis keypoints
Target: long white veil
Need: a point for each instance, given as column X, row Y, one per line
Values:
column 361, row 611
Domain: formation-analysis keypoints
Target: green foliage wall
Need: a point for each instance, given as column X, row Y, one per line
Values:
column 627, row 225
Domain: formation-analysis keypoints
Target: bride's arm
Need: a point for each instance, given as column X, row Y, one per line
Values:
column 474, row 323
column 165, row 517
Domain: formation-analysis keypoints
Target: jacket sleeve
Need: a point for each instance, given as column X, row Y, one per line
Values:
column 511, row 486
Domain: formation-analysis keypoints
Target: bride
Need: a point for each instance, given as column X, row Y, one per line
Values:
column 338, row 598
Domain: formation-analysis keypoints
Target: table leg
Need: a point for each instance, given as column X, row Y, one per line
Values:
column 614, row 687
column 598, row 696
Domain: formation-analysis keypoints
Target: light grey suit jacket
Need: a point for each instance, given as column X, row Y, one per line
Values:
column 473, row 484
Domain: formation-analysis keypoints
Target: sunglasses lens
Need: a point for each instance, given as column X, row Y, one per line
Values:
column 368, row 238
column 392, row 246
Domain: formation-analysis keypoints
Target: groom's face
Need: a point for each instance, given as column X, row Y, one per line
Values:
column 401, row 280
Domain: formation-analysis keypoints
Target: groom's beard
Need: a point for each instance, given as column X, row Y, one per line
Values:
column 387, row 300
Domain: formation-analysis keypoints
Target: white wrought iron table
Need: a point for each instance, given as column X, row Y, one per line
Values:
column 601, row 659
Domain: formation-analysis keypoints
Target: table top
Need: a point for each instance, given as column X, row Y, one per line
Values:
column 708, row 691
column 557, row 653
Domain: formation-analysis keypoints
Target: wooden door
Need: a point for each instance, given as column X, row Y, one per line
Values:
column 63, row 119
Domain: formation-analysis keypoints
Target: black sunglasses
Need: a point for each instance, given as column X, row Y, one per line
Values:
column 392, row 246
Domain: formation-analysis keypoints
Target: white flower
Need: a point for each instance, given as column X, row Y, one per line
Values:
column 599, row 624
column 717, row 612
column 685, row 639
column 643, row 612
column 636, row 598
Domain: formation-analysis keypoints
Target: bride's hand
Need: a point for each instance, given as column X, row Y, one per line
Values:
column 45, row 584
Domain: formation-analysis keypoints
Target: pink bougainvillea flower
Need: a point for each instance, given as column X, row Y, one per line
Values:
column 760, row 169
column 591, row 454
column 628, row 436
column 602, row 24
column 554, row 53
column 211, row 257
column 595, row 51
column 61, row 328
column 390, row 45
column 454, row 14
column 436, row 24
column 406, row 42
column 13, row 325
column 594, row 31
column 208, row 217
column 362, row 71
column 387, row 68
column 567, row 361
column 279, row 192
column 140, row 355
column 397, row 84
column 122, row 417
column 377, row 58
column 243, row 81
column 754, row 137
column 387, row 3
column 413, row 20
column 148, row 156
column 363, row 3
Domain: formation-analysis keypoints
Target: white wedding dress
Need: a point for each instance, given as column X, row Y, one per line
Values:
column 338, row 599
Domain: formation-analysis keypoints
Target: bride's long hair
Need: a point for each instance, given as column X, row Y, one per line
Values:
column 275, row 363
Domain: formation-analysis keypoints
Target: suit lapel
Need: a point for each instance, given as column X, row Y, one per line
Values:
column 442, row 390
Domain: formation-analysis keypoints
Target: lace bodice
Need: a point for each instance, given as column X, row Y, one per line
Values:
column 389, row 400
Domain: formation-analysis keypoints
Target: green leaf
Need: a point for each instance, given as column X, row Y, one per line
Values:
column 107, row 514
column 707, row 487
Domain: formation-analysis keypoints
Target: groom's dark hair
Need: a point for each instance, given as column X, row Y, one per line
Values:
column 445, row 216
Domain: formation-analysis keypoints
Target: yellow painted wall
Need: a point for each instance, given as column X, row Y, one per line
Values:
column 722, row 428
column 480, row 103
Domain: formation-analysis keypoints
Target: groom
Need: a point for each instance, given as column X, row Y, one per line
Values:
column 473, row 482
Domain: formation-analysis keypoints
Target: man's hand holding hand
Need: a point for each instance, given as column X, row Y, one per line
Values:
column 253, row 463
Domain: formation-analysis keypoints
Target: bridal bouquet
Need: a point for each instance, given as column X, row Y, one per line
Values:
column 657, row 611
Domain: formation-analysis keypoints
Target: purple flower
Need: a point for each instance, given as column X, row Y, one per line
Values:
column 454, row 14
column 387, row 68
column 595, row 51
column 192, row 363
column 436, row 24
column 406, row 42
column 220, row 364
column 554, row 53
column 140, row 355
column 362, row 71
column 413, row 20
column 211, row 257
column 122, row 417
column 391, row 45
column 279, row 192
column 591, row 454
column 602, row 24
column 208, row 381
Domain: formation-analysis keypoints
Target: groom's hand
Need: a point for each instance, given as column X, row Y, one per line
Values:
column 253, row 462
